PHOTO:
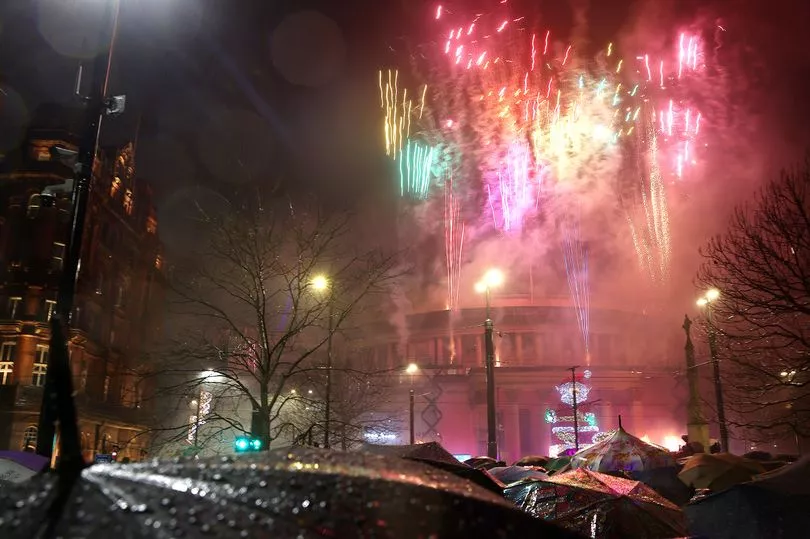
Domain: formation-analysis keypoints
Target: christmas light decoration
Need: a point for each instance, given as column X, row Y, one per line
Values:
column 562, row 420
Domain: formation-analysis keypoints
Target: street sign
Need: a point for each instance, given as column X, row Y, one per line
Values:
column 103, row 459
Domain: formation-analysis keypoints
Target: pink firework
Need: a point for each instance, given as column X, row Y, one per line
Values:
column 513, row 189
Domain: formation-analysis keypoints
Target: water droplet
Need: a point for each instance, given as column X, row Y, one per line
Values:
column 305, row 504
column 205, row 528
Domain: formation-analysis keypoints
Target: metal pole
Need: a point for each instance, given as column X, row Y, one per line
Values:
column 328, row 408
column 411, row 406
column 57, row 401
column 492, row 434
column 697, row 426
column 718, row 384
column 574, row 404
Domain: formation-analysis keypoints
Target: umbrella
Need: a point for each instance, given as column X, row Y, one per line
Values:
column 665, row 482
column 774, row 505
column 302, row 492
column 557, row 464
column 434, row 454
column 532, row 460
column 18, row 466
column 718, row 471
column 600, row 505
column 512, row 474
column 484, row 463
column 622, row 452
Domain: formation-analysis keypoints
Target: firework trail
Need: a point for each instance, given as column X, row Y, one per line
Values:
column 453, row 243
column 526, row 113
column 575, row 256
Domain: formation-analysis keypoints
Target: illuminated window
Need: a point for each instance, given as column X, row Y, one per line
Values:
column 14, row 306
column 128, row 201
column 58, row 256
column 158, row 262
column 29, row 440
column 7, row 361
column 151, row 225
column 40, row 365
column 50, row 306
column 115, row 187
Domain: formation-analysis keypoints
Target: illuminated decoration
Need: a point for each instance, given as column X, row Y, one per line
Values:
column 562, row 421
column 380, row 437
column 198, row 420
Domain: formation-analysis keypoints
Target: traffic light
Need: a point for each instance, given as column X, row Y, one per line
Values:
column 247, row 444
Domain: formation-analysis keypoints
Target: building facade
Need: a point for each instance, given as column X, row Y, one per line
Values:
column 634, row 370
column 118, row 297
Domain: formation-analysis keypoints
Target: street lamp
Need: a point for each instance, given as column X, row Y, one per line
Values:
column 705, row 302
column 491, row 279
column 411, row 369
column 322, row 284
column 57, row 399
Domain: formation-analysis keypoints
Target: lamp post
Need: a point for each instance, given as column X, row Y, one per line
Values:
column 321, row 284
column 492, row 279
column 705, row 303
column 697, row 429
column 57, row 402
column 574, row 405
column 412, row 369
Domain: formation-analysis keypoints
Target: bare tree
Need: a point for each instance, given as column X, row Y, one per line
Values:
column 761, row 265
column 256, row 315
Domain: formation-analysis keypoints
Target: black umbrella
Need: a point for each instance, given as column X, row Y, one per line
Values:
column 773, row 506
column 298, row 493
column 434, row 454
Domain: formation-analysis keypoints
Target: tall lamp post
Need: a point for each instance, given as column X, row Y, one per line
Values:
column 321, row 284
column 491, row 279
column 705, row 303
column 411, row 369
column 57, row 403
column 697, row 428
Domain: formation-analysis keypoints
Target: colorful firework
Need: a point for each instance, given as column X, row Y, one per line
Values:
column 524, row 113
column 416, row 169
column 575, row 256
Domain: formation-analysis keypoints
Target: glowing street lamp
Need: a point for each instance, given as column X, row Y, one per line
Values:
column 493, row 278
column 705, row 303
column 411, row 369
column 322, row 284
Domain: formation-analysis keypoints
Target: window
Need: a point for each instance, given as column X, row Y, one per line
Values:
column 7, row 361
column 50, row 306
column 29, row 440
column 83, row 378
column 525, row 431
column 58, row 256
column 40, row 365
column 115, row 186
column 7, row 351
column 158, row 262
column 121, row 294
column 128, row 201
column 14, row 306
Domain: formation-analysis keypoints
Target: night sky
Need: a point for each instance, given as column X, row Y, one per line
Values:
column 228, row 94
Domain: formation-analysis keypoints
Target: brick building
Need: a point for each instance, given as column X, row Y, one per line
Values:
column 119, row 291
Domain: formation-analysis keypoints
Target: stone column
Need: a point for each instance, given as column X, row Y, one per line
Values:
column 24, row 362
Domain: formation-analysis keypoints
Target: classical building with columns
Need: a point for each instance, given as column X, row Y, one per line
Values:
column 635, row 363
column 119, row 291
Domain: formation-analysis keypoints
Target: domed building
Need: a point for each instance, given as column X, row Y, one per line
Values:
column 635, row 363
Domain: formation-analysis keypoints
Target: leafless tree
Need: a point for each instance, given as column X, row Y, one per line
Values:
column 761, row 265
column 255, row 314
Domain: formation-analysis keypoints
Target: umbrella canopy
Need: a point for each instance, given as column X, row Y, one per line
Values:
column 665, row 482
column 557, row 464
column 532, row 460
column 600, row 505
column 622, row 452
column 512, row 474
column 774, row 505
column 718, row 471
column 298, row 493
column 434, row 454
column 18, row 466
column 484, row 463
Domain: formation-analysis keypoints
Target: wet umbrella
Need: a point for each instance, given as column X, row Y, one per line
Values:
column 532, row 460
column 600, row 505
column 718, row 471
column 622, row 452
column 483, row 463
column 665, row 482
column 435, row 455
column 557, row 464
column 774, row 505
column 299, row 493
column 18, row 466
column 512, row 474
